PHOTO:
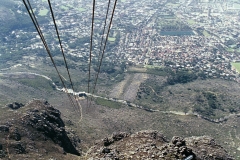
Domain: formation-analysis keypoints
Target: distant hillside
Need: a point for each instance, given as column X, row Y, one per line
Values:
column 5, row 9
column 7, row 15
column 12, row 16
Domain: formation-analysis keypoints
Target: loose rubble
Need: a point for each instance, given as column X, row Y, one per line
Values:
column 153, row 145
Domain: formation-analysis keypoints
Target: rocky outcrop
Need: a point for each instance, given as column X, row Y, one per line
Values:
column 15, row 105
column 39, row 129
column 153, row 145
column 47, row 120
column 206, row 148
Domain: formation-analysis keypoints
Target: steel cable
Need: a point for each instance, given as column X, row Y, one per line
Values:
column 64, row 57
column 95, row 83
column 90, row 54
column 36, row 24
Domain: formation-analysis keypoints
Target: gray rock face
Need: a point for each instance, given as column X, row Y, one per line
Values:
column 2, row 154
column 115, row 137
column 47, row 120
column 14, row 134
column 153, row 145
column 4, row 128
column 17, row 148
column 39, row 130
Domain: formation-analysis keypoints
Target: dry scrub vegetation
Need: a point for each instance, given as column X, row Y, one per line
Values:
column 99, row 121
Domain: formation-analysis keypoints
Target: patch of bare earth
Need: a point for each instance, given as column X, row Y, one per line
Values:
column 130, row 92
column 118, row 89
column 127, row 89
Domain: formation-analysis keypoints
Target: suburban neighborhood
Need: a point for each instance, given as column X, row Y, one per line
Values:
column 198, row 35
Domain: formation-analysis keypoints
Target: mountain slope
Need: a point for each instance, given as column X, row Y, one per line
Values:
column 37, row 131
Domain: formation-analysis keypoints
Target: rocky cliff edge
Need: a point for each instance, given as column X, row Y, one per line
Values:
column 36, row 130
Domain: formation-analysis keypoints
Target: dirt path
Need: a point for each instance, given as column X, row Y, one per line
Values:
column 155, row 92
column 176, row 113
column 232, row 143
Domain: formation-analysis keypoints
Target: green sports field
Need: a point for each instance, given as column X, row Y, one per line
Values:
column 237, row 66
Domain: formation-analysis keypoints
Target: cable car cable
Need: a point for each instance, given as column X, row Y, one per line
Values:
column 104, row 48
column 90, row 54
column 105, row 23
column 36, row 24
column 61, row 47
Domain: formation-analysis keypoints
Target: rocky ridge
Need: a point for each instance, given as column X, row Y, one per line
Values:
column 153, row 145
column 39, row 130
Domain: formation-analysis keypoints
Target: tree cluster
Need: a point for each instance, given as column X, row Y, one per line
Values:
column 181, row 76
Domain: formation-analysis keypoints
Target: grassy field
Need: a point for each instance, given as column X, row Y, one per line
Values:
column 38, row 83
column 152, row 66
column 230, row 49
column 191, row 22
column 236, row 66
column 70, row 6
column 149, row 70
column 108, row 103
column 172, row 4
column 64, row 8
column 137, row 69
column 82, row 9
column 237, row 6
column 111, row 39
column 206, row 34
column 43, row 12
